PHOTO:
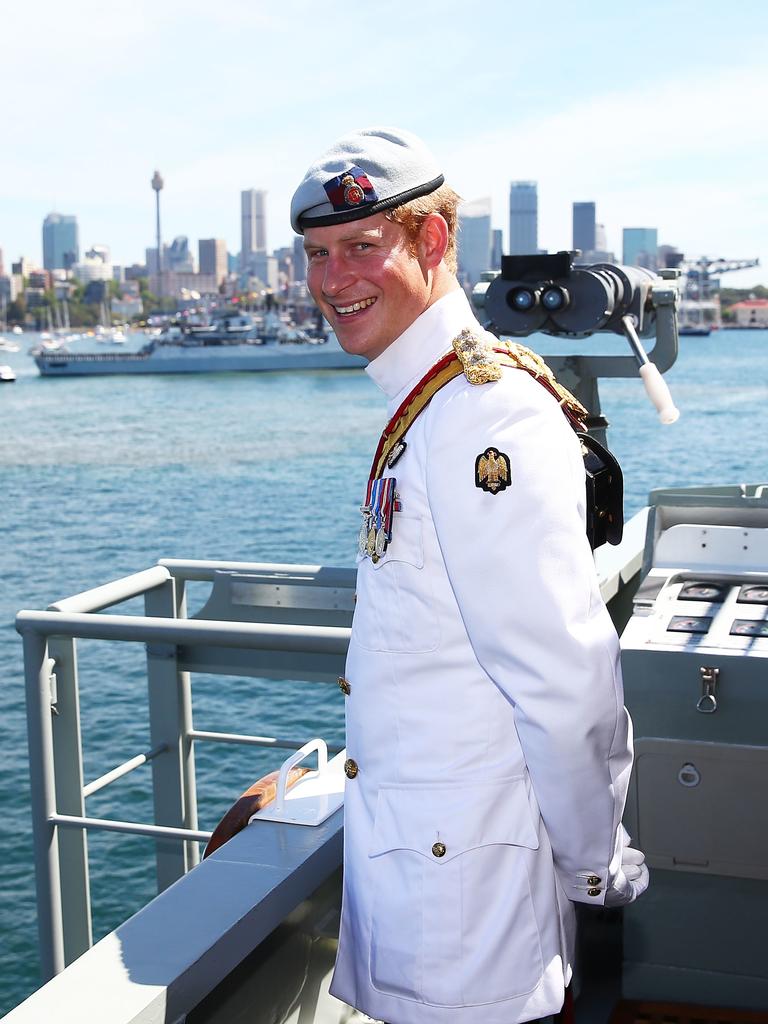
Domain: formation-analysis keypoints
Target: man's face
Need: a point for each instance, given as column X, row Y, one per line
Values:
column 367, row 283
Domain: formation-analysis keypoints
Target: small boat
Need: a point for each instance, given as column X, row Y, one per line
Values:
column 7, row 376
column 8, row 346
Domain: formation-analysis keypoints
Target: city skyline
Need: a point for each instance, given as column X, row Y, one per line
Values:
column 610, row 110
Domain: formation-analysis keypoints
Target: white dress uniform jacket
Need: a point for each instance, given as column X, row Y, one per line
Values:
column 485, row 713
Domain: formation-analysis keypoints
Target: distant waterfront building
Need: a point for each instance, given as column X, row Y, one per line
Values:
column 523, row 218
column 61, row 248
column 2, row 266
column 600, row 242
column 253, row 224
column 474, row 240
column 640, row 247
column 751, row 312
column 584, row 227
column 212, row 257
column 96, row 265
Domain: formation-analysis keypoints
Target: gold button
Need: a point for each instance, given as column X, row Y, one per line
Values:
column 593, row 892
column 350, row 768
column 593, row 880
column 439, row 849
column 345, row 689
column 374, row 558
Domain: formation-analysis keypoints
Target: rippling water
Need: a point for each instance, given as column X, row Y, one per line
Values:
column 100, row 477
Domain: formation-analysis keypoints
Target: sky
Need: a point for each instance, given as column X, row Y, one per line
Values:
column 655, row 111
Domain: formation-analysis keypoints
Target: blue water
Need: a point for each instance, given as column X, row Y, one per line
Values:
column 101, row 477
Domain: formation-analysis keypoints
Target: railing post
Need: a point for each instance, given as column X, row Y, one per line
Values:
column 68, row 772
column 170, row 720
column 188, row 743
column 37, row 677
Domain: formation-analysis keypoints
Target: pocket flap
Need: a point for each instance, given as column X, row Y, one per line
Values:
column 459, row 818
column 406, row 544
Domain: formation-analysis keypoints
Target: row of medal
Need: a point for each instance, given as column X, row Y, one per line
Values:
column 378, row 512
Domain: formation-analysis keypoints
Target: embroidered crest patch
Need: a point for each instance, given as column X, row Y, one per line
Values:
column 492, row 471
column 350, row 189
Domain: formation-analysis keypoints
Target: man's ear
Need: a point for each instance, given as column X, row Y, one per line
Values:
column 433, row 240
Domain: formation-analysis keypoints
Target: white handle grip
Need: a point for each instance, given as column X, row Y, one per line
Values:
column 282, row 780
column 658, row 392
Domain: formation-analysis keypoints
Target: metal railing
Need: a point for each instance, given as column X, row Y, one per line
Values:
column 227, row 636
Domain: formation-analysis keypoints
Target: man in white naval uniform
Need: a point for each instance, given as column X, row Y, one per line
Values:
column 489, row 749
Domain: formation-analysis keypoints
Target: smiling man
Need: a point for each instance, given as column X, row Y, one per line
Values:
column 489, row 749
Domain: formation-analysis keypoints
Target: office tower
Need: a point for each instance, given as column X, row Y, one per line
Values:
column 212, row 257
column 264, row 268
column 523, row 218
column 299, row 259
column 2, row 267
column 61, row 249
column 496, row 249
column 584, row 227
column 180, row 258
column 253, row 224
column 474, row 248
column 600, row 238
column 640, row 247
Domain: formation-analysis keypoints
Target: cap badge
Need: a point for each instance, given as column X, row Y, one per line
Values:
column 350, row 190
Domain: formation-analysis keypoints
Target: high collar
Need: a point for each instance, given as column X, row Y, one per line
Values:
column 403, row 363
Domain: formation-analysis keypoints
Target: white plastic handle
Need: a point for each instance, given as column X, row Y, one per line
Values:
column 282, row 780
column 658, row 392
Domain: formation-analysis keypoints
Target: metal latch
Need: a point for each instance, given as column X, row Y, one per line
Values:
column 707, row 702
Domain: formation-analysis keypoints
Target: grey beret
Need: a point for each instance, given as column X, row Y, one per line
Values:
column 363, row 173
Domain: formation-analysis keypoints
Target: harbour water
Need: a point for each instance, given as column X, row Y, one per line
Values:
column 101, row 477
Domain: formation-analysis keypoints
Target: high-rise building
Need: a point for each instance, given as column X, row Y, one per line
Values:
column 264, row 268
column 474, row 240
column 61, row 249
column 523, row 218
column 640, row 247
column 212, row 257
column 180, row 258
column 497, row 249
column 584, row 227
column 299, row 259
column 253, row 224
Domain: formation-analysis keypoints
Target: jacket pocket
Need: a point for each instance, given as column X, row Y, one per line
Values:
column 395, row 612
column 453, row 922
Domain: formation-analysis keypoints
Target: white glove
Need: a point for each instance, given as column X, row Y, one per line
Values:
column 630, row 882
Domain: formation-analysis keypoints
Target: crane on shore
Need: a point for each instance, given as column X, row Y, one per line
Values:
column 699, row 310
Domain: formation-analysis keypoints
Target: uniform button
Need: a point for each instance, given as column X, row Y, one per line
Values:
column 350, row 768
column 346, row 688
column 593, row 880
column 593, row 892
column 374, row 558
column 439, row 849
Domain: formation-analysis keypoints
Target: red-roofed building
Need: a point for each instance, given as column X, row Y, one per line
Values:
column 751, row 312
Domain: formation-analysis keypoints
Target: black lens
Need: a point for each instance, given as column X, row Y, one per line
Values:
column 554, row 298
column 522, row 299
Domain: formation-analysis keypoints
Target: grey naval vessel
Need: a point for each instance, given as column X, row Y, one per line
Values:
column 249, row 934
column 231, row 343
